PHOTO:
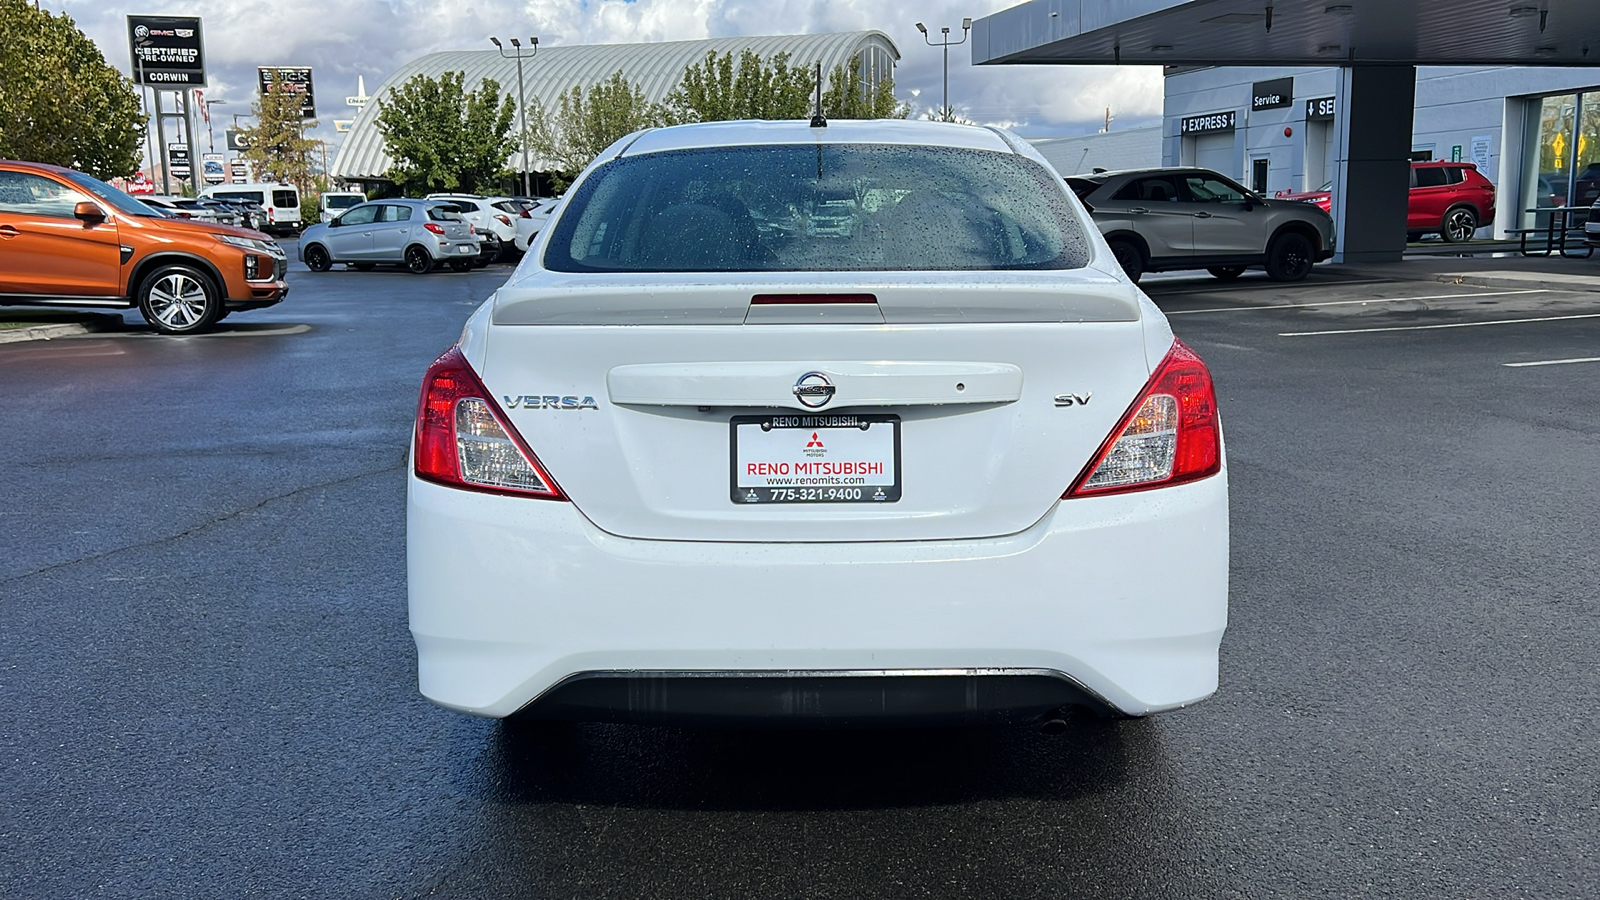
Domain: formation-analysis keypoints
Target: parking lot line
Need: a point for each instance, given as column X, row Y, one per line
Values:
column 1246, row 287
column 1433, row 327
column 1552, row 362
column 1218, row 309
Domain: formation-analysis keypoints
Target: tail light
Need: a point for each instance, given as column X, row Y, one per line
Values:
column 434, row 227
column 504, row 220
column 464, row 441
column 525, row 213
column 1170, row 435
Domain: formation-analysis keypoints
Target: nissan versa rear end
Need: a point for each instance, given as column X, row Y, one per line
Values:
column 842, row 425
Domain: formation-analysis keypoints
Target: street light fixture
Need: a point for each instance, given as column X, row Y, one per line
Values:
column 945, row 113
column 522, row 97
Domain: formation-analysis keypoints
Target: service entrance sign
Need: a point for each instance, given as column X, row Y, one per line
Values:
column 167, row 51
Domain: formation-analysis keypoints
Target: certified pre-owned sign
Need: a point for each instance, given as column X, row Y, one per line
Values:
column 1275, row 94
column 167, row 51
column 1222, row 121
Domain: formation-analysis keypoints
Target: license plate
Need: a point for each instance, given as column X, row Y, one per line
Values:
column 466, row 248
column 815, row 459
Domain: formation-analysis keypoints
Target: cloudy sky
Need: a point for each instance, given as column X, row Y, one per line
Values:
column 342, row 39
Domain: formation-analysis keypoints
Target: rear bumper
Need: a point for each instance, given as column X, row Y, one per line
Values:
column 825, row 699
column 522, row 605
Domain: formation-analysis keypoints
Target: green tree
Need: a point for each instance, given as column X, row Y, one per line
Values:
column 278, row 149
column 441, row 137
column 715, row 90
column 586, row 123
column 60, row 101
column 847, row 97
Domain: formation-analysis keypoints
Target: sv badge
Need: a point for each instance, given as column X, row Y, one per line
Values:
column 1073, row 399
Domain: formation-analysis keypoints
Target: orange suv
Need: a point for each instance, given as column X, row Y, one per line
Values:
column 67, row 239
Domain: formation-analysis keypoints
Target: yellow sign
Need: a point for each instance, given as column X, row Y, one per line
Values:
column 1558, row 146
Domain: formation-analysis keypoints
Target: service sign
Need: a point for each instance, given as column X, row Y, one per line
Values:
column 295, row 79
column 239, row 171
column 1320, row 109
column 167, row 51
column 1275, row 94
column 816, row 459
column 1209, row 123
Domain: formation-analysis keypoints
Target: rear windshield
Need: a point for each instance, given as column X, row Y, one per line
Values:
column 252, row 196
column 809, row 208
column 281, row 199
column 443, row 214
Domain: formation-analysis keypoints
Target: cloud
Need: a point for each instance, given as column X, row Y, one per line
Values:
column 341, row 39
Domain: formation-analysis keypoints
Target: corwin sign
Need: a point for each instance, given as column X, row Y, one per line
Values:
column 294, row 79
column 167, row 51
column 1275, row 94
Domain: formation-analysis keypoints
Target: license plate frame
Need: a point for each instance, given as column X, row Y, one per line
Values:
column 823, row 484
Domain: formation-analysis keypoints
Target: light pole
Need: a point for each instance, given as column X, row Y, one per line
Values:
column 522, row 98
column 945, row 114
column 211, row 131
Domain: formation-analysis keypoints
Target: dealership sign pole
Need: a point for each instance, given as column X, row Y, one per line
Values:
column 168, row 52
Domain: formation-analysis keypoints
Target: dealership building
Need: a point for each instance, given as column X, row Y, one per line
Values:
column 655, row 68
column 1534, row 132
column 1298, row 94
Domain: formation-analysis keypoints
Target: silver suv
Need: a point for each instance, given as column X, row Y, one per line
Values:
column 1183, row 218
column 418, row 234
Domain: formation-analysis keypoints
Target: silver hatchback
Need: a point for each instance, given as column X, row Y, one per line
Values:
column 417, row 234
column 1184, row 218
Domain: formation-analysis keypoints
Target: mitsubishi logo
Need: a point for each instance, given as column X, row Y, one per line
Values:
column 814, row 390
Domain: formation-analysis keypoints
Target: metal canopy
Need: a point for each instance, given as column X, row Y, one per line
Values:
column 1303, row 32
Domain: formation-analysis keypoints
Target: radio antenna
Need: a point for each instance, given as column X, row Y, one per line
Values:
column 817, row 120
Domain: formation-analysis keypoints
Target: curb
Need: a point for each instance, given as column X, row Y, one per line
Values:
column 1513, row 280
column 58, row 329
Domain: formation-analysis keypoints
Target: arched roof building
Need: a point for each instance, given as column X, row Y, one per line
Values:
column 655, row 67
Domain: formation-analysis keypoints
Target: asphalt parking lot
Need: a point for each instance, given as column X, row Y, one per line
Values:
column 207, row 687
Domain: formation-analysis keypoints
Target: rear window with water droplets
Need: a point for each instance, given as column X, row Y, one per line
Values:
column 818, row 208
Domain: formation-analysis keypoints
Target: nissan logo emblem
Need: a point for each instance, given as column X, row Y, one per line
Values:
column 813, row 390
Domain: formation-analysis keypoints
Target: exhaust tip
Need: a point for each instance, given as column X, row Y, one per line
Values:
column 1053, row 726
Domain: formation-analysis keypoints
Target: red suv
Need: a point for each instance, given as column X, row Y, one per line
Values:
column 1447, row 198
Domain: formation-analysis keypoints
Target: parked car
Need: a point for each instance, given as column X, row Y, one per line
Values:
column 68, row 239
column 1451, row 199
column 417, row 234
column 960, row 393
column 522, row 220
column 494, row 225
column 1185, row 218
column 279, row 202
column 165, row 205
column 331, row 203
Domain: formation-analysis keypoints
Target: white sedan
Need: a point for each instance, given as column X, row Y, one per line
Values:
column 854, row 424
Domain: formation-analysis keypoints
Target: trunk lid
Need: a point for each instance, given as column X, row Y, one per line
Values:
column 638, row 425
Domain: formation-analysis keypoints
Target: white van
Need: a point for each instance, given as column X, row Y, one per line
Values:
column 331, row 203
column 280, row 203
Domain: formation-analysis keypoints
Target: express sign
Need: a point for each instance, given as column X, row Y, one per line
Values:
column 1222, row 121
column 167, row 51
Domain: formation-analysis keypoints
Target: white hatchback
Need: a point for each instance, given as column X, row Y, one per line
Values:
column 854, row 424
